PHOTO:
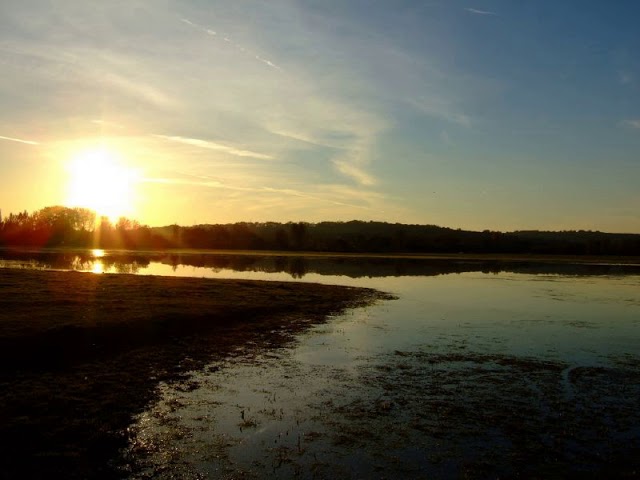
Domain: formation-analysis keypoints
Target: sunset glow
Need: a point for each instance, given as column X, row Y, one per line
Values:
column 98, row 181
column 288, row 110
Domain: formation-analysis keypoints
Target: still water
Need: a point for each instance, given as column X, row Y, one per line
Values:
column 478, row 369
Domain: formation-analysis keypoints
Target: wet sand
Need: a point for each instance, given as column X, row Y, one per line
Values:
column 82, row 354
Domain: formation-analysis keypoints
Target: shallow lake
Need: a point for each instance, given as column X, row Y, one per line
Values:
column 478, row 368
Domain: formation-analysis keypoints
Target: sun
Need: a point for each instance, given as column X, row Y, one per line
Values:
column 99, row 181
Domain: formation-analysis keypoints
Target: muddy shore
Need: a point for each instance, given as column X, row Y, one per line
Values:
column 82, row 354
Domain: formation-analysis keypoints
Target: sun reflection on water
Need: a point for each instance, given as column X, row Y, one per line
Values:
column 98, row 267
column 97, row 253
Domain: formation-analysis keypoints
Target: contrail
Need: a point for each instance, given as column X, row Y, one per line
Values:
column 480, row 12
column 244, row 50
column 28, row 142
column 196, row 142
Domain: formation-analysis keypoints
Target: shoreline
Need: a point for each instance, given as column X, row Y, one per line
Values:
column 82, row 354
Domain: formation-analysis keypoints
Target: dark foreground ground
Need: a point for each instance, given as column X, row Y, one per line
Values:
column 82, row 354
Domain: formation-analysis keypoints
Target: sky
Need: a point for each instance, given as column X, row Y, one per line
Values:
column 478, row 114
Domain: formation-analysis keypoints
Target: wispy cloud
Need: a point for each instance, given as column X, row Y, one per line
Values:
column 19, row 140
column 441, row 108
column 635, row 123
column 299, row 137
column 196, row 142
column 183, row 181
column 226, row 39
column 345, row 132
column 480, row 12
column 88, row 69
column 105, row 123
column 297, row 193
column 138, row 89
column 354, row 161
column 202, row 181
column 355, row 172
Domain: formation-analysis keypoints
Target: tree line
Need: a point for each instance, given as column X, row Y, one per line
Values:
column 59, row 226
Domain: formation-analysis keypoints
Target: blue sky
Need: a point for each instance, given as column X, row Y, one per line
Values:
column 493, row 114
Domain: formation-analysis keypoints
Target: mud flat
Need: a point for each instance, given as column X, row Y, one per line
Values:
column 405, row 414
column 82, row 354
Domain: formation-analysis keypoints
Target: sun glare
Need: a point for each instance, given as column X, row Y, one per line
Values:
column 98, row 181
column 98, row 267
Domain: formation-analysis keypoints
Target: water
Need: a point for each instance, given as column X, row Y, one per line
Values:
column 478, row 369
column 255, row 265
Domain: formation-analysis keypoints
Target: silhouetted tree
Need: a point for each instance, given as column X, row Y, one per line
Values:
column 298, row 234
column 63, row 226
column 282, row 239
